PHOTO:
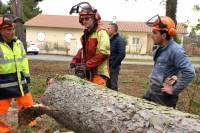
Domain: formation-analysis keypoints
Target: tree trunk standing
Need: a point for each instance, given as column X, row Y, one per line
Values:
column 1, row 4
column 17, row 9
column 88, row 108
column 171, row 6
column 21, row 34
column 14, row 7
column 171, row 9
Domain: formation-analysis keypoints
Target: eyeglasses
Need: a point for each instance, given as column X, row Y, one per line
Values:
column 154, row 32
column 85, row 18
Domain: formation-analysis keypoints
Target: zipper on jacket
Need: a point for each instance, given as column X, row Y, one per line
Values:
column 18, row 73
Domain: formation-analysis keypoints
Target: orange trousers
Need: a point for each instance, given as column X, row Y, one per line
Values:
column 98, row 79
column 23, row 101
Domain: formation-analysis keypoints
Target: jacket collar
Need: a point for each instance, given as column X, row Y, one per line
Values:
column 168, row 44
column 13, row 40
column 161, row 49
column 115, row 35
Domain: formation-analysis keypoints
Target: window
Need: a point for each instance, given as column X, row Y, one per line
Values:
column 41, row 36
column 136, row 40
column 68, row 37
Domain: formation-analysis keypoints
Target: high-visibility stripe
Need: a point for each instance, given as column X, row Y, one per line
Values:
column 3, row 116
column 5, row 61
column 6, row 85
column 24, row 56
column 1, row 52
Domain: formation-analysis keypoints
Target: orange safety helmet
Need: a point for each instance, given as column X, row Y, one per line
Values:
column 87, row 9
column 162, row 23
column 5, row 23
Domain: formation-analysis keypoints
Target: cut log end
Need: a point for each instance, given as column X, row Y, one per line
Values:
column 26, row 115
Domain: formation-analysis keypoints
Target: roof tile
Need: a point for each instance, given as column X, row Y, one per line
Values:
column 58, row 21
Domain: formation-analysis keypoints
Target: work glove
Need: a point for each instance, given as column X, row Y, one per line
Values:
column 80, row 70
column 71, row 69
column 72, row 65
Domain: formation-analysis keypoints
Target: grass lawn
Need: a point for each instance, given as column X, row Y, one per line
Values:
column 150, row 60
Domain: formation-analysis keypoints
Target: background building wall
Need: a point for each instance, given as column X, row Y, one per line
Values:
column 137, row 42
column 59, row 41
column 55, row 41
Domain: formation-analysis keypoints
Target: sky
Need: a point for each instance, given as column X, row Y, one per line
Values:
column 124, row 10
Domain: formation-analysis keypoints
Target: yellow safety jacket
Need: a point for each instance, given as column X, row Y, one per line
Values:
column 14, row 70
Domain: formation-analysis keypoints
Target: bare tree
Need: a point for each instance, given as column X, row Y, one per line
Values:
column 171, row 8
column 17, row 8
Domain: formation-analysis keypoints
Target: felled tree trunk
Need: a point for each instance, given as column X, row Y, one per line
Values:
column 88, row 108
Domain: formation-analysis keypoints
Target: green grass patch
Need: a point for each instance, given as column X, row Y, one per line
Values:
column 27, row 130
column 140, row 81
column 37, row 86
column 195, row 62
column 139, row 60
column 151, row 60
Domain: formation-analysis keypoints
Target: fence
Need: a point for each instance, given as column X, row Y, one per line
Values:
column 192, row 45
column 56, row 47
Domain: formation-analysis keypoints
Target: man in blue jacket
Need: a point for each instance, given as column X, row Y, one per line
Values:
column 170, row 61
column 117, row 54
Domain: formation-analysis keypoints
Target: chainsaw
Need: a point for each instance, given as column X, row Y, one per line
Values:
column 79, row 70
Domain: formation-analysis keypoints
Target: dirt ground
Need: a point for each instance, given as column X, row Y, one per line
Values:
column 133, row 80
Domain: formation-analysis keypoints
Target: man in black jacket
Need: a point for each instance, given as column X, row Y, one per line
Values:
column 117, row 54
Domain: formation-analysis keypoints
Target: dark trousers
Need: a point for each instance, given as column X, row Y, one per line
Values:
column 113, row 81
column 161, row 98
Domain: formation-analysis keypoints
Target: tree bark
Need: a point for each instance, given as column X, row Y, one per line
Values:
column 88, row 108
column 17, row 9
column 171, row 7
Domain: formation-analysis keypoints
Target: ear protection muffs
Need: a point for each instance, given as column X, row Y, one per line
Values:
column 97, row 16
column 171, row 31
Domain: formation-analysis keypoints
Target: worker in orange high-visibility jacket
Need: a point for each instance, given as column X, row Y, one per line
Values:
column 14, row 73
column 95, row 41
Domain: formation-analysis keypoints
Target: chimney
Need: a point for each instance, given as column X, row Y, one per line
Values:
column 114, row 19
